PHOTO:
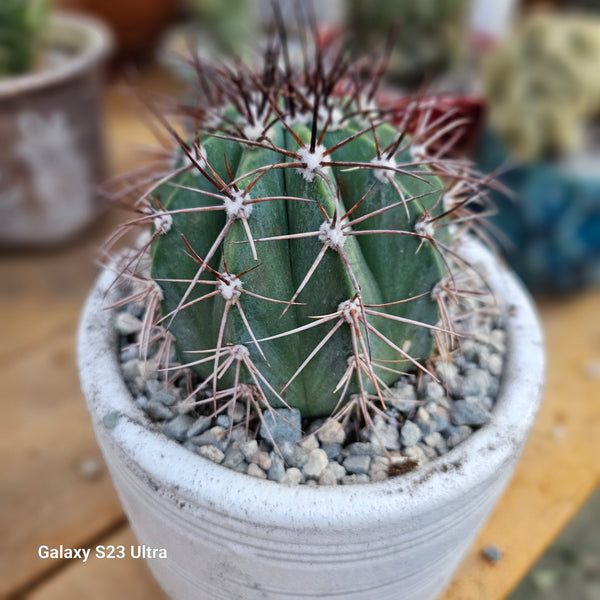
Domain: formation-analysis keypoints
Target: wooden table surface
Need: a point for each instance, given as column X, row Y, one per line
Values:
column 50, row 496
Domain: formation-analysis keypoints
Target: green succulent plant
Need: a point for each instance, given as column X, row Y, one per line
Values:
column 301, row 249
column 542, row 85
column 20, row 24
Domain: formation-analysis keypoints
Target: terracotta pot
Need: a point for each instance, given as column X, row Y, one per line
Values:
column 230, row 536
column 51, row 156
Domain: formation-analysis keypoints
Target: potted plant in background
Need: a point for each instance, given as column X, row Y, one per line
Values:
column 543, row 132
column 50, row 105
column 307, row 314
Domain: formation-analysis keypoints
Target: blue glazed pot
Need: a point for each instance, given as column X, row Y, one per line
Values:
column 552, row 227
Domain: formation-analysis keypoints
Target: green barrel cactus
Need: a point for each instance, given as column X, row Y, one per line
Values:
column 301, row 248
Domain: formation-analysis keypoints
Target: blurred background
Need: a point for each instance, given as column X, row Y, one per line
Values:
column 525, row 78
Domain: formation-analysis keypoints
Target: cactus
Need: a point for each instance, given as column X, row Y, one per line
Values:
column 301, row 249
column 20, row 24
column 542, row 85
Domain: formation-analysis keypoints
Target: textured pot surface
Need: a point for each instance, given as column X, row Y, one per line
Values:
column 230, row 536
column 51, row 159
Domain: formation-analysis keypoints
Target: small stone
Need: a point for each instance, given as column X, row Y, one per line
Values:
column 424, row 421
column 333, row 451
column 277, row 470
column 469, row 412
column 380, row 463
column 434, row 391
column 378, row 475
column 429, row 452
column 366, row 449
column 469, row 350
column 456, row 435
column 262, row 459
column 404, row 398
column 293, row 455
column 492, row 553
column 309, row 443
column 255, row 471
column 141, row 400
column 127, row 324
column 164, row 397
column 332, row 432
column 448, row 374
column 384, row 433
column 128, row 354
column 436, row 441
column 110, row 420
column 282, row 424
column 410, row 434
column 212, row 453
column 332, row 474
column 132, row 369
column 200, row 425
column 158, row 411
column 214, row 436
column 494, row 364
column 476, row 382
column 439, row 415
column 355, row 463
column 293, row 476
column 233, row 456
column 237, row 413
column 317, row 461
column 498, row 340
column 90, row 469
column 178, row 427
column 417, row 454
column 249, row 448
column 223, row 421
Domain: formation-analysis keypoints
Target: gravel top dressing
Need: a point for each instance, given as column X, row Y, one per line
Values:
column 422, row 419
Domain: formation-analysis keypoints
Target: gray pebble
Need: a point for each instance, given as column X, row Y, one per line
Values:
column 404, row 398
column 158, row 411
column 214, row 436
column 332, row 474
column 333, row 451
column 448, row 374
column 223, row 421
column 178, row 427
column 316, row 462
column 200, row 425
column 425, row 423
column 429, row 452
column 434, row 391
column 355, row 463
column 110, row 420
column 292, row 476
column 332, row 432
column 469, row 412
column 164, row 397
column 293, row 455
column 255, row 471
column 277, row 470
column 238, row 413
column 233, row 456
column 385, row 434
column 494, row 364
column 249, row 448
column 366, row 449
column 129, row 353
column 308, row 443
column 282, row 424
column 437, row 442
column 492, row 553
column 410, row 434
column 476, row 382
column 456, row 435
column 212, row 453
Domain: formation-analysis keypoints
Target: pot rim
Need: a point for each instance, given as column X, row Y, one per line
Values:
column 98, row 44
column 182, row 475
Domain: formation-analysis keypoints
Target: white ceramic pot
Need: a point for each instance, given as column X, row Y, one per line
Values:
column 232, row 537
column 52, row 155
